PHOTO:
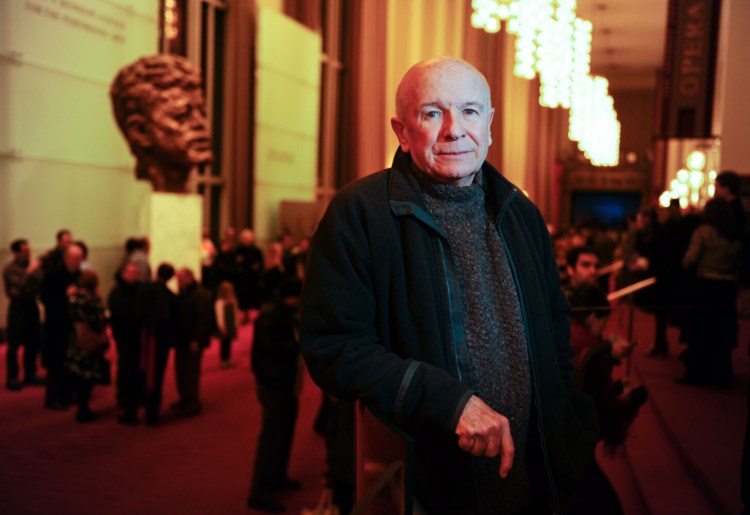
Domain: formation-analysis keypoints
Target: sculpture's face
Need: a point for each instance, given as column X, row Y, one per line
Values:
column 178, row 128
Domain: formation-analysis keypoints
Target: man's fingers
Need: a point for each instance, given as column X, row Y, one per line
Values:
column 493, row 447
column 507, row 451
column 466, row 443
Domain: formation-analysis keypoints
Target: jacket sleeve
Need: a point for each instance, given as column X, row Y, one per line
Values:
column 344, row 352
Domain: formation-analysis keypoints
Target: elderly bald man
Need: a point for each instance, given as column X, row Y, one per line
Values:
column 432, row 295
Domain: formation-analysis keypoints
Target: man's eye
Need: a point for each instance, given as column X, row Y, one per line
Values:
column 432, row 114
column 471, row 112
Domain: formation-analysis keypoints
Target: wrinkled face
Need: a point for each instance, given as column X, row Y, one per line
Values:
column 178, row 129
column 585, row 271
column 445, row 121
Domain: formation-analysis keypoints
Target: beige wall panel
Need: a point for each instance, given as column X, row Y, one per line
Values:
column 288, row 47
column 287, row 118
column 100, row 205
column 88, row 38
column 268, row 199
column 282, row 156
column 285, row 102
column 54, row 116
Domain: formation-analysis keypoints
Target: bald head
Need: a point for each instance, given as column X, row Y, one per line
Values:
column 424, row 71
column 443, row 117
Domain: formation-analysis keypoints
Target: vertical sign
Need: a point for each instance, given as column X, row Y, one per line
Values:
column 689, row 61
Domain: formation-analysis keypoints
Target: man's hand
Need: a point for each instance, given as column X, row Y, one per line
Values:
column 484, row 432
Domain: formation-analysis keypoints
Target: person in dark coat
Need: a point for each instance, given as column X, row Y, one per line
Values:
column 21, row 278
column 194, row 324
column 86, row 367
column 250, row 266
column 158, row 310
column 616, row 408
column 276, row 365
column 432, row 295
column 123, row 307
column 58, row 327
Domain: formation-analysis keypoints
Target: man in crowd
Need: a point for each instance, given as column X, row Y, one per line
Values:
column 123, row 303
column 433, row 296
column 194, row 323
column 582, row 265
column 57, row 325
column 728, row 186
column 582, row 268
column 53, row 259
column 158, row 309
column 21, row 279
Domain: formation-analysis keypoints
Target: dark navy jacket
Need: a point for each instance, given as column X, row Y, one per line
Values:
column 382, row 322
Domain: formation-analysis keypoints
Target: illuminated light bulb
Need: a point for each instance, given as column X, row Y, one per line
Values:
column 696, row 160
column 683, row 202
column 712, row 175
column 683, row 175
column 492, row 25
column 696, row 179
column 711, row 190
column 665, row 199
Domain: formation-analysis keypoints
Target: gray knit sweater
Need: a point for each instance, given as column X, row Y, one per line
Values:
column 494, row 330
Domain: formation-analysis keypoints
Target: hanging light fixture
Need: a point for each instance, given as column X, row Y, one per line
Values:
column 554, row 43
column 693, row 185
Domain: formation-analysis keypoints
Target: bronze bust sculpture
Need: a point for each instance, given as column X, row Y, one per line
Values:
column 159, row 107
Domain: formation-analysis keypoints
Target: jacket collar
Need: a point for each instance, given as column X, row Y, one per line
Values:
column 405, row 193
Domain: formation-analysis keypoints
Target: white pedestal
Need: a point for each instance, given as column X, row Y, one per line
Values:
column 173, row 224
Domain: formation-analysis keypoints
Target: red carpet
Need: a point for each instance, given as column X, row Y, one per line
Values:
column 681, row 457
column 202, row 465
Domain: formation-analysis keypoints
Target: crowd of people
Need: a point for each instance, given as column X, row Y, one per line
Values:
column 146, row 317
column 699, row 259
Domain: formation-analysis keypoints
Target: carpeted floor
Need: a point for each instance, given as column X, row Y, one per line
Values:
column 51, row 465
column 681, row 457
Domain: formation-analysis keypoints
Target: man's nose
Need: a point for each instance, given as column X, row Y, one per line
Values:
column 453, row 127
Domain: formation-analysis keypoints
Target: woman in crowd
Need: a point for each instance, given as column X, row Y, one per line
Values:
column 226, row 311
column 88, row 341
column 715, row 252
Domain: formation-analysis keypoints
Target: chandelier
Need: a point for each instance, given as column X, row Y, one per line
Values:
column 553, row 43
column 692, row 185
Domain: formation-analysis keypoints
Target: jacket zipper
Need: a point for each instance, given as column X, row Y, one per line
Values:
column 531, row 361
column 450, row 309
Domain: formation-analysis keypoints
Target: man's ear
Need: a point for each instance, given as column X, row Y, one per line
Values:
column 399, row 127
column 135, row 130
